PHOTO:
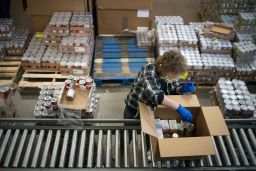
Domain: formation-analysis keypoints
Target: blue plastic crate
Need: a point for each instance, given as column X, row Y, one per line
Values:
column 112, row 60
column 110, row 41
column 137, row 54
column 106, row 46
column 112, row 69
column 111, row 50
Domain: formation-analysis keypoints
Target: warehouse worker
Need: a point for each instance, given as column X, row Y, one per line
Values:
column 155, row 81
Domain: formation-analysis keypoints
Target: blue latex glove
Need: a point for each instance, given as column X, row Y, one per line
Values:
column 184, row 113
column 188, row 87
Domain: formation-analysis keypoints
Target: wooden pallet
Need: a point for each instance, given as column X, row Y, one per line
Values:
column 9, row 71
column 37, row 78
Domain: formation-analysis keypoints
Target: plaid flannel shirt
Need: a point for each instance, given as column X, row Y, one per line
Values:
column 147, row 88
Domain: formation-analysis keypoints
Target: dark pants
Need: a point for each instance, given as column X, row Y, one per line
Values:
column 130, row 113
column 4, row 8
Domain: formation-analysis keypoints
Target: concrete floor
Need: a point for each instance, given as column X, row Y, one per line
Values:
column 111, row 101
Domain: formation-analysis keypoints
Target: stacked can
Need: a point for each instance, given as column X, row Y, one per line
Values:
column 234, row 99
column 186, row 34
column 52, row 56
column 34, row 52
column 6, row 27
column 229, row 19
column 218, row 61
column 93, row 99
column 2, row 50
column 169, row 20
column 59, row 23
column 143, row 39
column 253, row 97
column 198, row 26
column 244, row 51
column 214, row 44
column 73, row 62
column 163, row 49
column 246, row 22
column 192, row 56
column 244, row 37
column 76, row 45
column 47, row 104
column 18, row 42
column 81, row 23
column 166, row 35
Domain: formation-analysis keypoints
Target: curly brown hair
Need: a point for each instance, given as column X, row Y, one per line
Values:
column 171, row 62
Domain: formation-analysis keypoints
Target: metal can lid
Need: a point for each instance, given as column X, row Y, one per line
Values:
column 47, row 98
column 229, row 107
column 47, row 104
column 242, row 102
column 54, row 100
column 227, row 101
column 237, row 108
column 82, row 82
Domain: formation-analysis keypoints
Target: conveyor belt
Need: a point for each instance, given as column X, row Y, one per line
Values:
column 104, row 145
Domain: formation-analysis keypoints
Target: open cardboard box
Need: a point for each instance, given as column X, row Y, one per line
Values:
column 208, row 122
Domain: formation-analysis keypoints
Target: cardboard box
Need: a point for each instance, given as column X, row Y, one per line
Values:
column 47, row 7
column 208, row 122
column 114, row 16
column 39, row 22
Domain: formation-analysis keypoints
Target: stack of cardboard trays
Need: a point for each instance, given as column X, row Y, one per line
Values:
column 208, row 122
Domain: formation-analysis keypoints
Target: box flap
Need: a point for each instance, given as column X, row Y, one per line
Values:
column 184, row 147
column 125, row 4
column 147, row 119
column 185, row 100
column 215, row 121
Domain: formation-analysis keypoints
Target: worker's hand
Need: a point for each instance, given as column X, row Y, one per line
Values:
column 184, row 113
column 188, row 87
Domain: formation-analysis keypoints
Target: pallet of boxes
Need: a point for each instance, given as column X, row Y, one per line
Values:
column 64, row 48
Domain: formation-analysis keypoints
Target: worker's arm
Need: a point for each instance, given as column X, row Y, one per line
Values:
column 170, row 103
column 183, row 112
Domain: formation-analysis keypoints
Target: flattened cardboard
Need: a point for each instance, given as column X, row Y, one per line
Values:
column 47, row 7
column 147, row 119
column 185, row 147
column 215, row 121
column 124, row 4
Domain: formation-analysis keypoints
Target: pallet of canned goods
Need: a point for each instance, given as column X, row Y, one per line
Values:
column 17, row 43
column 81, row 23
column 244, row 52
column 214, row 45
column 245, row 71
column 59, row 23
column 33, row 56
column 246, row 22
column 77, row 45
column 234, row 99
column 47, row 105
column 6, row 28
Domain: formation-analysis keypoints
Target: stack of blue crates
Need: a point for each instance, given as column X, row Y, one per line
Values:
column 112, row 51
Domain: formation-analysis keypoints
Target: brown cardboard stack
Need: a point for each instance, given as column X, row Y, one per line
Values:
column 41, row 10
column 114, row 16
column 208, row 122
